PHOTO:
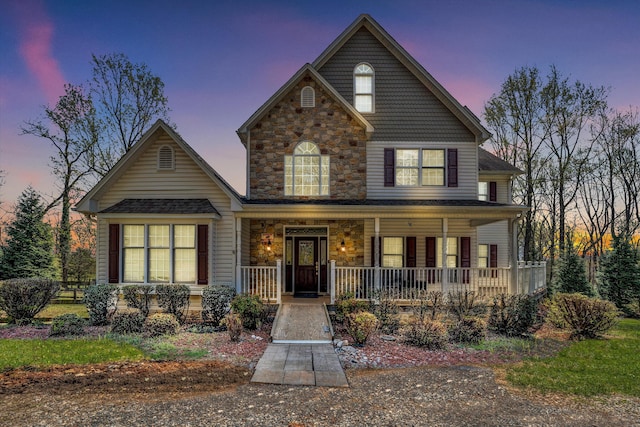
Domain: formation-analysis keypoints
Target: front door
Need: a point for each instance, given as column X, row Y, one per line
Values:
column 306, row 265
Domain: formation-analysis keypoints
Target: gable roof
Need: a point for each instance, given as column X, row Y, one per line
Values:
column 307, row 69
column 88, row 204
column 462, row 113
column 489, row 163
column 162, row 206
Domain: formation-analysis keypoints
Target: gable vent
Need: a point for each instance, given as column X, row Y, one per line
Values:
column 166, row 160
column 308, row 97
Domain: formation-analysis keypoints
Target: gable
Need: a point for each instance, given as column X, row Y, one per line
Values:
column 405, row 108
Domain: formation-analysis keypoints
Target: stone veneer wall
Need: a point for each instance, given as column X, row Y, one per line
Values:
column 328, row 125
column 352, row 231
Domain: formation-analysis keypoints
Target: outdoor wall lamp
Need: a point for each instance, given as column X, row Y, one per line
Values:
column 342, row 247
column 269, row 244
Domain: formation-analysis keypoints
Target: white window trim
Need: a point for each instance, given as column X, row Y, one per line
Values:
column 307, row 100
column 162, row 161
column 372, row 94
column 323, row 160
column 401, row 254
column 420, row 167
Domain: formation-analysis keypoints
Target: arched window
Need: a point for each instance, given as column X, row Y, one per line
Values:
column 166, row 160
column 363, row 85
column 308, row 97
column 306, row 172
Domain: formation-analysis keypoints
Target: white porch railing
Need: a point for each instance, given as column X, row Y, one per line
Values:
column 532, row 276
column 264, row 281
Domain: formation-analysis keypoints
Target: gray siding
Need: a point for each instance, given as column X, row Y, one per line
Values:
column 404, row 108
column 496, row 233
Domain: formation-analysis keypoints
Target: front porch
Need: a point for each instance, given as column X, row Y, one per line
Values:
column 402, row 284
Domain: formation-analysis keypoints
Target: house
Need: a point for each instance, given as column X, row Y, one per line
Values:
column 363, row 174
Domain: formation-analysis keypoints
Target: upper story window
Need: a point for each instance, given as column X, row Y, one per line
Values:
column 412, row 167
column 166, row 159
column 307, row 97
column 363, row 84
column 306, row 172
column 487, row 191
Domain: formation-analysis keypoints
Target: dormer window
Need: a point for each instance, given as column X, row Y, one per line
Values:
column 307, row 97
column 363, row 88
column 166, row 159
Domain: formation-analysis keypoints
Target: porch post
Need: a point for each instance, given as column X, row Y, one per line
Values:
column 445, row 273
column 376, row 253
column 332, row 278
column 278, row 281
column 514, row 287
column 239, row 255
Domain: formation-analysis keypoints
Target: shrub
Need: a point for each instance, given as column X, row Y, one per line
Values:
column 585, row 317
column 128, row 321
column 161, row 324
column 174, row 299
column 233, row 322
column 386, row 310
column 346, row 304
column 22, row 299
column 465, row 304
column 429, row 334
column 101, row 301
column 470, row 330
column 619, row 276
column 513, row 315
column 360, row 325
column 67, row 324
column 429, row 304
column 216, row 303
column 250, row 309
column 139, row 297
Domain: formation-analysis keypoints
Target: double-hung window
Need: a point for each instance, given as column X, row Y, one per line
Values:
column 306, row 172
column 451, row 256
column 432, row 167
column 392, row 252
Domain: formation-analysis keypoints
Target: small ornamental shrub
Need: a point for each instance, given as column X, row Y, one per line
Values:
column 127, row 321
column 22, row 299
column 513, row 315
column 101, row 301
column 250, row 309
column 429, row 334
column 585, row 317
column 216, row 303
column 464, row 304
column 346, row 304
column 67, row 324
column 386, row 310
column 174, row 299
column 470, row 330
column 360, row 325
column 159, row 324
column 139, row 297
column 233, row 322
column 428, row 304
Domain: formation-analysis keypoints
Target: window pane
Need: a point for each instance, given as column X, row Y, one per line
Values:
column 483, row 191
column 392, row 261
column 159, row 236
column 407, row 158
column 133, row 236
column 364, row 103
column 364, row 69
column 432, row 176
column 306, row 148
column 159, row 265
column 184, row 236
column 364, row 84
column 483, row 251
column 407, row 177
column 433, row 158
column 133, row 264
column 392, row 246
column 185, row 266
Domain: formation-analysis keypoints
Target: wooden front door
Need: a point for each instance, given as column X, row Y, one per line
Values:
column 306, row 265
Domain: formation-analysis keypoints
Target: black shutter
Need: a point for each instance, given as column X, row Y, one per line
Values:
column 389, row 167
column 493, row 191
column 452, row 167
column 114, row 253
column 465, row 257
column 430, row 262
column 410, row 255
column 203, row 254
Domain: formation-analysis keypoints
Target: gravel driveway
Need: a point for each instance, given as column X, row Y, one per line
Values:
column 425, row 396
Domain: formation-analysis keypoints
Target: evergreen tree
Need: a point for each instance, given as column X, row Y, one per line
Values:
column 571, row 276
column 29, row 249
column 620, row 274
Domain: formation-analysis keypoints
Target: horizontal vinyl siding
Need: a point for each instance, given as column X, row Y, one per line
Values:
column 502, row 186
column 496, row 233
column 467, row 173
column 246, row 241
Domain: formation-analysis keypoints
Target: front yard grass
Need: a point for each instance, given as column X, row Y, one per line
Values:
column 16, row 353
column 588, row 368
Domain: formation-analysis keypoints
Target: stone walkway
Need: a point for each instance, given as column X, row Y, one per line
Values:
column 300, row 364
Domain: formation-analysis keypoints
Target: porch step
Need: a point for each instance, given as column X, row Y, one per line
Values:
column 302, row 324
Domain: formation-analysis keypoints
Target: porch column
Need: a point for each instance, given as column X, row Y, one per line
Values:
column 332, row 278
column 445, row 273
column 376, row 253
column 514, row 287
column 239, row 255
column 278, row 281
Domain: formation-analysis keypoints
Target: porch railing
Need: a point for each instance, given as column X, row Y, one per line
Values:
column 263, row 281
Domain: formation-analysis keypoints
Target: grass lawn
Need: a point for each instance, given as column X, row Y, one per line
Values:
column 588, row 368
column 53, row 310
column 16, row 353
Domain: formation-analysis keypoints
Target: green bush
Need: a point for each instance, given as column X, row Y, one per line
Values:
column 127, row 321
column 139, row 297
column 174, row 299
column 346, row 304
column 514, row 315
column 470, row 330
column 161, row 324
column 585, row 317
column 361, row 325
column 250, row 309
column 22, row 299
column 67, row 324
column 233, row 322
column 464, row 304
column 216, row 303
column 101, row 300
column 429, row 334
column 386, row 310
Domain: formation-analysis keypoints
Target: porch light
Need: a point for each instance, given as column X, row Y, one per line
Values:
column 269, row 244
column 342, row 247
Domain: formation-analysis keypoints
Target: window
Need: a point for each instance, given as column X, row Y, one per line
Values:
column 451, row 255
column 488, row 258
column 159, row 253
column 483, row 191
column 306, row 172
column 407, row 167
column 411, row 169
column 432, row 167
column 392, row 252
column 307, row 97
column 166, row 159
column 363, row 88
column 483, row 256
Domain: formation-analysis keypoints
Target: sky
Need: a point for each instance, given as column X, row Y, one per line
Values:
column 221, row 60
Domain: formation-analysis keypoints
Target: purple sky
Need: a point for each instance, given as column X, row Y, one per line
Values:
column 220, row 60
